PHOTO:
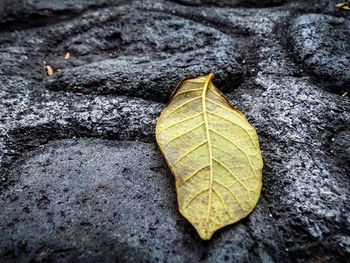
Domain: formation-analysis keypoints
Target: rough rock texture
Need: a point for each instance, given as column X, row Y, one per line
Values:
column 162, row 49
column 103, row 44
column 27, row 13
column 321, row 43
column 81, row 178
column 84, row 193
column 232, row 3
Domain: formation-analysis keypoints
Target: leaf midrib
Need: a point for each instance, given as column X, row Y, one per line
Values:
column 207, row 130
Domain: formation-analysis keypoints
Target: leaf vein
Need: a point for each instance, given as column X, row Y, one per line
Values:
column 183, row 134
column 187, row 91
column 239, row 126
column 237, row 166
column 222, row 202
column 183, row 120
column 187, row 153
column 182, row 105
column 229, row 170
column 195, row 196
column 239, row 148
column 207, row 131
column 194, row 173
column 231, row 192
column 223, row 107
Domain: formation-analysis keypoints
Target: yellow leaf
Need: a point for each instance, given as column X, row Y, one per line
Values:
column 214, row 154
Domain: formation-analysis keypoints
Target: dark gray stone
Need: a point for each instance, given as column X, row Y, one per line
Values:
column 239, row 23
column 321, row 44
column 305, row 185
column 32, row 116
column 95, row 200
column 259, row 32
column 232, row 3
column 162, row 49
column 27, row 13
column 58, row 134
column 341, row 148
column 103, row 44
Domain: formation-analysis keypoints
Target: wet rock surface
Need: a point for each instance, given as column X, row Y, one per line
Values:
column 84, row 193
column 81, row 176
column 28, row 13
column 231, row 3
column 321, row 44
column 104, row 43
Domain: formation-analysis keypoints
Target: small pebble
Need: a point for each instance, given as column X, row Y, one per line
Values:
column 49, row 70
column 67, row 56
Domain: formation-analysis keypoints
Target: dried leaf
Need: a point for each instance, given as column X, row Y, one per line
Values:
column 344, row 6
column 49, row 70
column 213, row 153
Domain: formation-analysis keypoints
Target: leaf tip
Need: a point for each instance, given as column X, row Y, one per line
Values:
column 205, row 234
